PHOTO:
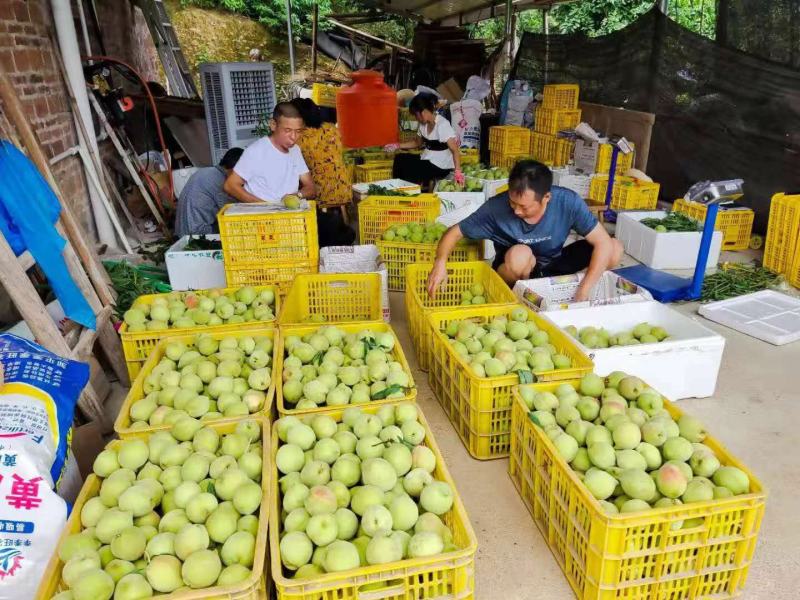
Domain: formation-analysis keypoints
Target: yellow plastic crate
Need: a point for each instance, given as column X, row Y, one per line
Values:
column 507, row 161
column 628, row 193
column 137, row 345
column 254, row 587
column 301, row 330
column 509, row 139
column 561, row 95
column 281, row 275
column 736, row 225
column 376, row 213
column 373, row 171
column 783, row 233
column 635, row 555
column 551, row 150
column 324, row 94
column 253, row 239
column 336, row 296
column 470, row 156
column 449, row 576
column 397, row 255
column 550, row 120
column 624, row 161
column 460, row 277
column 480, row 407
column 122, row 424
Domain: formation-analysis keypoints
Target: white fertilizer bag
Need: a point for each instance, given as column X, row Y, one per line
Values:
column 38, row 393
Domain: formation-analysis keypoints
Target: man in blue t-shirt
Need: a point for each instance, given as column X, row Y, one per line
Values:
column 529, row 225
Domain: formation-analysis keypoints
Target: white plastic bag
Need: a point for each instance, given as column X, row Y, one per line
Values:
column 37, row 402
column 465, row 116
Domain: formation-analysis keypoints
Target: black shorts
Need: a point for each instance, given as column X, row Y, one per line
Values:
column 573, row 258
column 410, row 167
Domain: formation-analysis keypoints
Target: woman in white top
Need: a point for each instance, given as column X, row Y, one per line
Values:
column 441, row 154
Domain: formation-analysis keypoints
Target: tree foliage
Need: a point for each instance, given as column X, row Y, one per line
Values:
column 272, row 14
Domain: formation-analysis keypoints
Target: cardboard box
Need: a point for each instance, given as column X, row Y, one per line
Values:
column 557, row 293
column 194, row 269
column 357, row 259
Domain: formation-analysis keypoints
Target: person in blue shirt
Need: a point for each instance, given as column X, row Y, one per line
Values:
column 528, row 226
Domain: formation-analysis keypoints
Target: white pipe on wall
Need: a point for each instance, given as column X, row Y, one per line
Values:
column 68, row 43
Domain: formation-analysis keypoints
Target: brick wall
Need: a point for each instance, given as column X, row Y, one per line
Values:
column 27, row 57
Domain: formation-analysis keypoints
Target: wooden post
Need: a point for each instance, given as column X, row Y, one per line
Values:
column 314, row 24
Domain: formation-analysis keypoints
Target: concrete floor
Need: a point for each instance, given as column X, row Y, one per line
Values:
column 755, row 412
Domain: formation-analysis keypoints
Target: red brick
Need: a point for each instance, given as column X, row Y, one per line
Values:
column 21, row 11
column 7, row 61
column 38, row 14
column 7, row 11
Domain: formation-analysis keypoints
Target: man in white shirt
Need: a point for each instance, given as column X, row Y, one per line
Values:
column 273, row 167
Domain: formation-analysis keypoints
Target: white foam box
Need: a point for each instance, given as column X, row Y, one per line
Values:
column 357, row 259
column 669, row 250
column 572, row 179
column 557, row 293
column 194, row 269
column 766, row 315
column 457, row 206
column 685, row 365
column 397, row 185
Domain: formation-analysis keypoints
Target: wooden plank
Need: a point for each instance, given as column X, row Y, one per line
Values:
column 23, row 294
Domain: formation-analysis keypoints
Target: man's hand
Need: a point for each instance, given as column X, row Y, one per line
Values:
column 437, row 277
column 581, row 294
column 391, row 147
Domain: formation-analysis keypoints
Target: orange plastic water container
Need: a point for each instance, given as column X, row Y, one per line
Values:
column 366, row 111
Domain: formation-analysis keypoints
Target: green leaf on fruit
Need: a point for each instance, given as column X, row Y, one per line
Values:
column 388, row 391
column 534, row 419
column 526, row 377
column 318, row 357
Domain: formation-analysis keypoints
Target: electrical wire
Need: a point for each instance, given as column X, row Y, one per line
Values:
column 160, row 133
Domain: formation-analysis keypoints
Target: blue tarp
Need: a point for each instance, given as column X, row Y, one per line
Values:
column 28, row 213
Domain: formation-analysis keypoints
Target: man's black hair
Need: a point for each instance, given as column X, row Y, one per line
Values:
column 422, row 102
column 309, row 111
column 230, row 158
column 286, row 110
column 530, row 175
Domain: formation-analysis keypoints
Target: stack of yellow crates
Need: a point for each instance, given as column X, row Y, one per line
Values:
column 559, row 110
column 508, row 144
column 782, row 250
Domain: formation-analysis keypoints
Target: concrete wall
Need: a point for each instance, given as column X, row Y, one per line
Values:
column 27, row 37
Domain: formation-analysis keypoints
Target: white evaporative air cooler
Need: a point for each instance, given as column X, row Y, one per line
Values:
column 237, row 96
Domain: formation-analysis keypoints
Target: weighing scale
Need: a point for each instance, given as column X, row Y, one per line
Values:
column 670, row 288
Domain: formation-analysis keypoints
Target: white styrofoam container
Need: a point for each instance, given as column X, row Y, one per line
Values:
column 670, row 250
column 572, row 179
column 195, row 269
column 180, row 177
column 684, row 366
column 357, row 259
column 457, row 206
column 557, row 293
column 766, row 315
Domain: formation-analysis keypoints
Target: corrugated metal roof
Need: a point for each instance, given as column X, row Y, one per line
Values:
column 452, row 12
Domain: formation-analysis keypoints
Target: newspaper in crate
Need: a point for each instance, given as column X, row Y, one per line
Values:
column 557, row 293
column 357, row 259
column 398, row 185
column 263, row 208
